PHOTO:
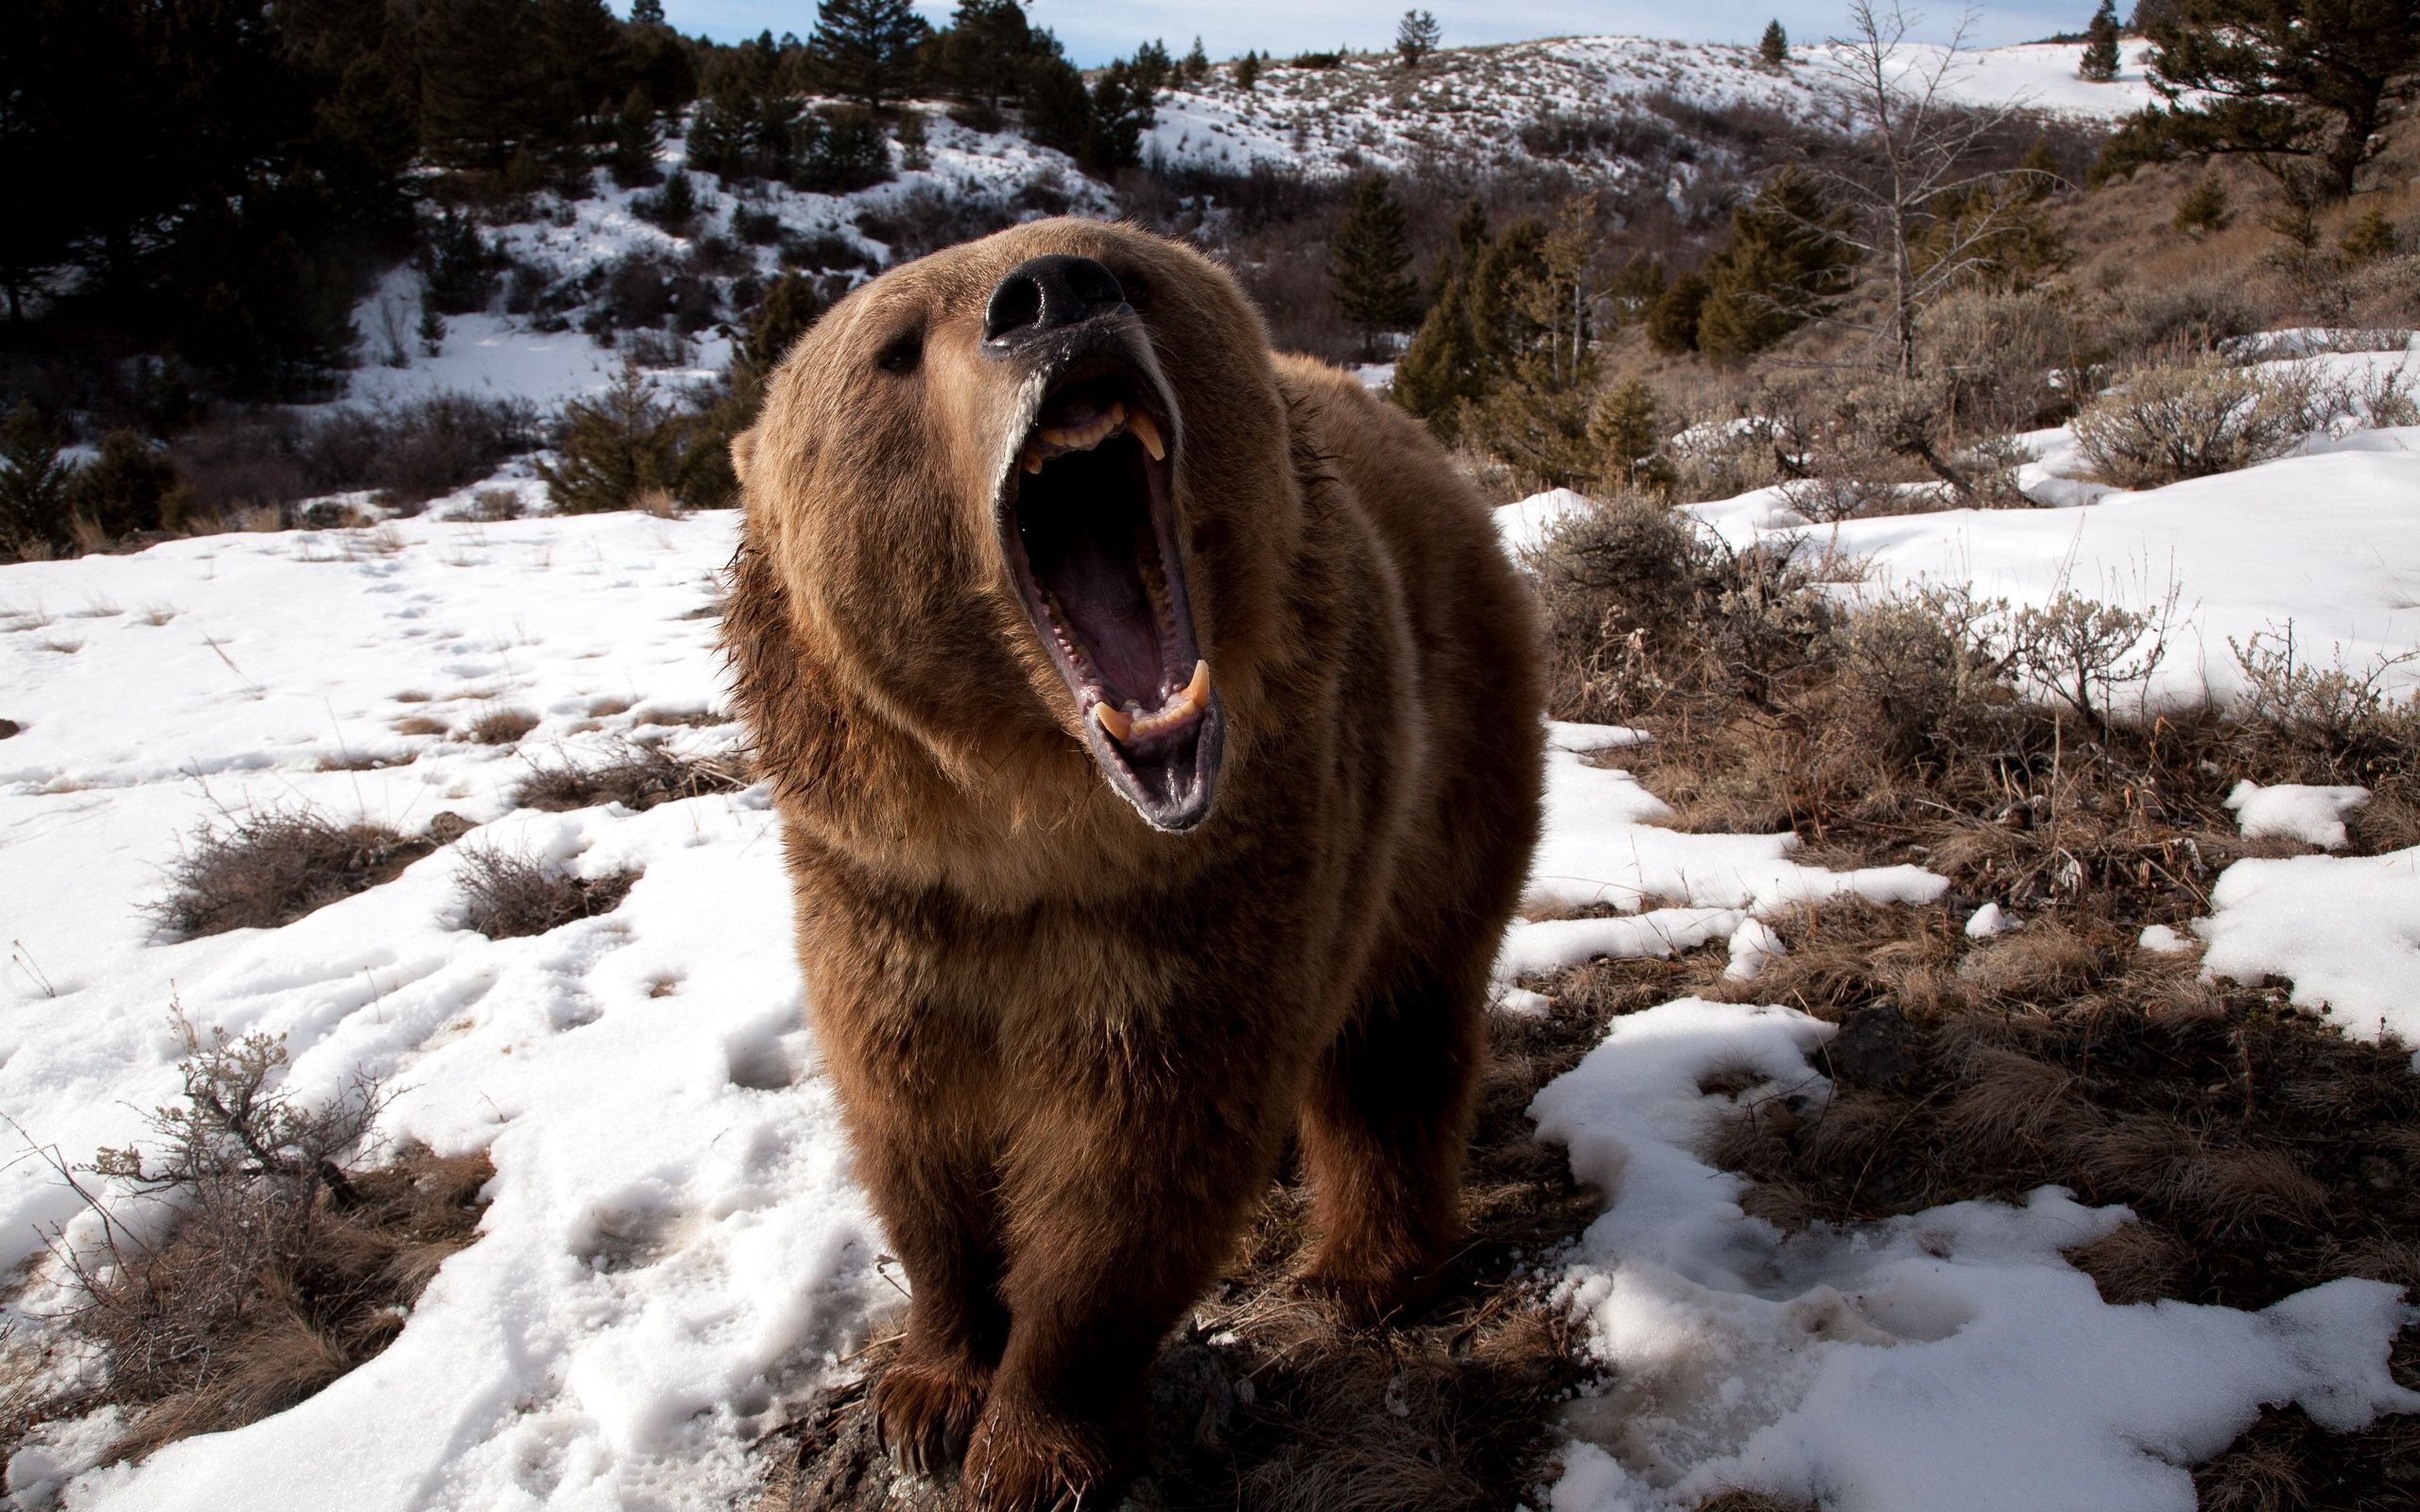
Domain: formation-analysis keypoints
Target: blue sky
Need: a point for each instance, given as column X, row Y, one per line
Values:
column 1096, row 30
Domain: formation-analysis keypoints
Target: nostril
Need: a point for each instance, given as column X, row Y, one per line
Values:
column 1045, row 293
column 1016, row 304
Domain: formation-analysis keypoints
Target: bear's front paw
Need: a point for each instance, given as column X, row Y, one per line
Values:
column 1027, row 1458
column 1367, row 1293
column 924, row 1412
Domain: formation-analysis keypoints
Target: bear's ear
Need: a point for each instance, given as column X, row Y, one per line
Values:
column 743, row 454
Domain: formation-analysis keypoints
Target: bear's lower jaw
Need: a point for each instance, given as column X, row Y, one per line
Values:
column 1089, row 531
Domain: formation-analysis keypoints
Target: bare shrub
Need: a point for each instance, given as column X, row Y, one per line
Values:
column 2166, row 424
column 638, row 776
column 2083, row 650
column 2331, row 723
column 271, row 868
column 505, row 895
column 1645, row 608
column 493, row 507
column 283, row 1269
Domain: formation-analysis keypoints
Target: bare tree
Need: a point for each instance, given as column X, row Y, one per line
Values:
column 1923, row 218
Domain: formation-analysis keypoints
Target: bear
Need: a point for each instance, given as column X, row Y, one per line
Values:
column 1154, row 725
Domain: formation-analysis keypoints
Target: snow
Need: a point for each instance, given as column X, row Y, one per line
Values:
column 2345, row 930
column 2314, row 816
column 1950, row 1358
column 674, row 1247
column 1989, row 920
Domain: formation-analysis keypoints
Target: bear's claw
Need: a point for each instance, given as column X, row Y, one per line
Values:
column 925, row 1413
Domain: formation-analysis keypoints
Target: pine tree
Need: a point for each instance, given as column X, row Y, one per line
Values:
column 1443, row 370
column 1119, row 111
column 1623, row 433
column 2371, row 237
column 1783, row 265
column 585, row 67
column 1152, row 69
column 647, row 13
column 915, row 145
column 126, row 489
column 478, row 79
column 866, row 49
column 1416, row 37
column 2204, row 208
column 2305, row 88
column 2038, row 170
column 616, row 447
column 1248, row 71
column 2099, row 62
column 1197, row 63
column 1672, row 321
column 636, row 140
column 986, row 52
column 1369, row 262
column 1775, row 48
column 34, row 481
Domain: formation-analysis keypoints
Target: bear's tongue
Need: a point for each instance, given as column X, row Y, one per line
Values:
column 1095, row 577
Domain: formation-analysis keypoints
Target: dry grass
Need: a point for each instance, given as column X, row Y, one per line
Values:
column 500, row 727
column 2262, row 1152
column 507, row 896
column 419, row 725
column 270, row 868
column 283, row 1268
column 1269, row 1399
column 638, row 775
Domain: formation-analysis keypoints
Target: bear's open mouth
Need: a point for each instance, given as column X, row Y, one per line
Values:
column 1086, row 522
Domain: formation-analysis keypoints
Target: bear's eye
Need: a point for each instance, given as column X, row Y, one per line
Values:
column 902, row 353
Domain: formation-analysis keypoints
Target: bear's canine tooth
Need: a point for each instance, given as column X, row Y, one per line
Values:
column 1033, row 459
column 1147, row 431
column 1197, row 693
column 1117, row 722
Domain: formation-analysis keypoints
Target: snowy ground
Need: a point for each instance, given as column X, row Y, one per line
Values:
column 675, row 1251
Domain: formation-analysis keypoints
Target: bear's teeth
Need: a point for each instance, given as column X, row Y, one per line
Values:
column 1189, row 702
column 1117, row 722
column 1147, row 431
column 1033, row 459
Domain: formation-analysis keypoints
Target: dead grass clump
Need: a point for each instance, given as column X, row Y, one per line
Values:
column 270, row 868
column 500, row 727
column 285, row 1267
column 419, row 725
column 638, row 775
column 505, row 895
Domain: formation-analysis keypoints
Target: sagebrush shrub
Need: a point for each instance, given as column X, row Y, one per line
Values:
column 2166, row 424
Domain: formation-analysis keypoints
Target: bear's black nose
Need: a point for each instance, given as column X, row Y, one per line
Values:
column 1045, row 292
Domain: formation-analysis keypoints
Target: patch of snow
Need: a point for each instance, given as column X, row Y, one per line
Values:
column 2314, row 816
column 1948, row 1359
column 2345, row 930
column 2164, row 940
column 1989, row 920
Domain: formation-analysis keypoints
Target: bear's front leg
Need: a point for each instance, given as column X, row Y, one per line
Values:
column 940, row 1222
column 1119, row 1208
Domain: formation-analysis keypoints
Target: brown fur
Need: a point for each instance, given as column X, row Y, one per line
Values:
column 1071, row 1047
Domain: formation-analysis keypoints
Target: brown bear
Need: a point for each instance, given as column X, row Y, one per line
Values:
column 1154, row 724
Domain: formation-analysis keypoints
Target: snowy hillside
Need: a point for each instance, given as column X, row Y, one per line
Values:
column 1469, row 105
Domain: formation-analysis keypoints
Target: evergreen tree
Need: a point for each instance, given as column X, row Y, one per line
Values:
column 2371, row 237
column 1624, row 436
column 1152, row 69
column 1197, row 63
column 866, row 49
column 636, row 141
column 1672, row 321
column 2305, row 88
column 915, row 146
column 1416, row 37
column 586, row 70
column 623, row 443
column 647, row 13
column 478, row 79
column 1369, row 264
column 34, row 481
column 2204, row 208
column 790, row 307
column 126, row 489
column 1120, row 112
column 2100, row 61
column 1248, row 71
column 1775, row 48
column 1443, row 370
column 1059, row 109
column 986, row 52
column 2038, row 170
column 1783, row 265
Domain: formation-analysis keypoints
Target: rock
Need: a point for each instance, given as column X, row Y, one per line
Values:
column 448, row 827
